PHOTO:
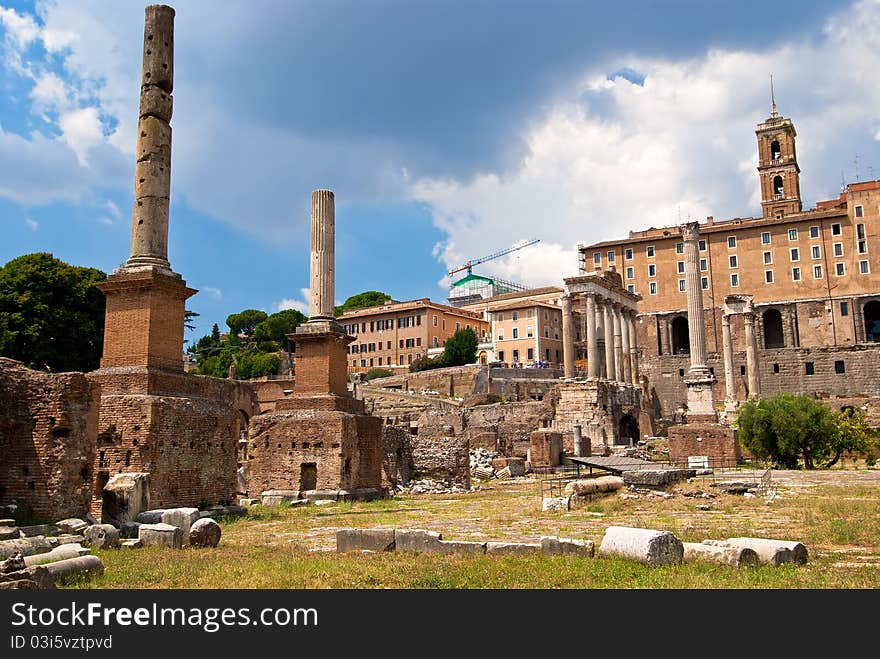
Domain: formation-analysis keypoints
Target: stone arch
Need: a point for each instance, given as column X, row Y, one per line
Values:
column 778, row 185
column 681, row 336
column 775, row 151
column 628, row 429
column 871, row 312
column 774, row 337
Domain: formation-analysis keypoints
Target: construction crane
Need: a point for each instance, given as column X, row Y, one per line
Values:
column 470, row 264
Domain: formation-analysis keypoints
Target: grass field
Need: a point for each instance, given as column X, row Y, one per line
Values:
column 835, row 513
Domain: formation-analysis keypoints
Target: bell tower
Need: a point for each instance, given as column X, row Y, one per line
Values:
column 777, row 164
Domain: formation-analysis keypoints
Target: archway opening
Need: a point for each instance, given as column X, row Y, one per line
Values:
column 773, row 336
column 775, row 152
column 681, row 336
column 778, row 188
column 628, row 430
column 872, row 321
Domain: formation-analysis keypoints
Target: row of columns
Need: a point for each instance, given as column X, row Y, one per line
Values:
column 754, row 381
column 621, row 352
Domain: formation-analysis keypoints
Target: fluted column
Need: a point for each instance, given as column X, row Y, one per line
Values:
column 752, row 356
column 696, row 325
column 618, row 343
column 592, row 340
column 608, row 324
column 633, row 349
column 322, row 264
column 729, row 385
column 567, row 338
column 624, row 346
column 152, row 177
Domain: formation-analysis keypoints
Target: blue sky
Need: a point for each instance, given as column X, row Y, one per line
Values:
column 448, row 130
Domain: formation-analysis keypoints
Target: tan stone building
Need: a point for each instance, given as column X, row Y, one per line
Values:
column 395, row 334
column 813, row 275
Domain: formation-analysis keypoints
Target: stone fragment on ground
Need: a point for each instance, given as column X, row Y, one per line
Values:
column 205, row 533
column 364, row 540
column 736, row 556
column 160, row 535
column 101, row 536
column 556, row 546
column 648, row 546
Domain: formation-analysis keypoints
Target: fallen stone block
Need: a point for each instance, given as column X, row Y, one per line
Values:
column 66, row 539
column 364, row 494
column 248, row 502
column 555, row 546
column 276, row 497
column 512, row 548
column 12, row 564
column 364, row 540
column 39, row 529
column 160, row 535
column 517, row 466
column 124, row 497
column 205, row 533
column 102, row 536
column 24, row 546
column 656, row 477
column 555, row 504
column 416, row 540
column 128, row 530
column 461, row 547
column 73, row 525
column 324, row 502
column 7, row 522
column 182, row 518
column 31, row 578
column 60, row 553
column 324, row 495
column 75, row 566
column 798, row 549
column 644, row 545
column 484, row 473
column 9, row 533
column 132, row 543
column 770, row 552
column 737, row 556
column 586, row 486
column 151, row 516
column 503, row 474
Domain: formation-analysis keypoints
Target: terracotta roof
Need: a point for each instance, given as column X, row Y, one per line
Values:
column 546, row 290
column 523, row 305
column 422, row 303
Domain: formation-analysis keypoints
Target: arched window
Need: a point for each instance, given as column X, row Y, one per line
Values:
column 681, row 337
column 775, row 152
column 777, row 185
column 773, row 336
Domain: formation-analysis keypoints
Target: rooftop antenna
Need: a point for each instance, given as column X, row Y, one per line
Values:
column 856, row 163
column 842, row 182
column 773, row 112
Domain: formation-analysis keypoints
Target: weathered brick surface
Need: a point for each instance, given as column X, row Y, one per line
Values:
column 545, row 449
column 442, row 457
column 717, row 442
column 48, row 427
column 397, row 459
column 606, row 411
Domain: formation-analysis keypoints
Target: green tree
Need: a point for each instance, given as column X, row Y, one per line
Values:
column 51, row 313
column 188, row 318
column 215, row 333
column 852, row 434
column 362, row 301
column 787, row 428
column 461, row 348
column 374, row 373
column 245, row 321
column 277, row 326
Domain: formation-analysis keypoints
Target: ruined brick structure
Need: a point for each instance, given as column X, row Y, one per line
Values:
column 713, row 440
column 47, row 440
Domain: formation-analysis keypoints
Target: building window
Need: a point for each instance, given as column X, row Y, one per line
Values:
column 500, row 355
column 860, row 231
column 814, row 232
column 531, row 354
column 443, row 324
column 679, row 248
column 768, row 276
column 630, row 272
column 817, row 272
column 597, row 258
column 734, row 280
column 499, row 316
column 776, row 368
column 704, row 265
column 844, row 308
column 838, row 249
column 731, row 242
column 864, row 268
column 529, row 332
column 795, row 254
column 513, row 316
column 859, row 212
column 742, row 370
column 649, row 250
column 809, row 368
column 816, row 251
column 839, row 367
column 546, row 332
column 732, row 259
column 704, row 282
column 863, row 247
column 652, row 288
column 631, row 288
column 702, row 245
column 516, row 356
column 436, row 341
column 610, row 257
column 796, row 274
column 835, row 230
column 840, row 268
column 515, row 333
column 652, row 270
column 681, row 285
column 768, row 258
column 792, row 234
column 681, row 267
column 765, row 238
column 628, row 254
column 501, row 335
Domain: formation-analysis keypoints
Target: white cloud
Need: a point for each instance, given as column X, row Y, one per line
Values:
column 50, row 93
column 611, row 156
column 113, row 209
column 301, row 305
column 215, row 293
column 32, row 224
column 82, row 131
column 21, row 29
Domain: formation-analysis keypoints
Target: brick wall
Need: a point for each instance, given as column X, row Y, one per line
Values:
column 606, row 411
column 717, row 442
column 397, row 459
column 48, row 428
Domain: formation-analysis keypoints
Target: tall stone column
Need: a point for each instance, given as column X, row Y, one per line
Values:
column 322, row 264
column 152, row 177
column 567, row 338
column 699, row 378
column 729, row 385
column 624, row 346
column 752, row 356
column 618, row 343
column 592, row 341
column 608, row 324
column 633, row 349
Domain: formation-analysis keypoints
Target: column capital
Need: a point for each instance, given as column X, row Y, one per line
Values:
column 690, row 231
